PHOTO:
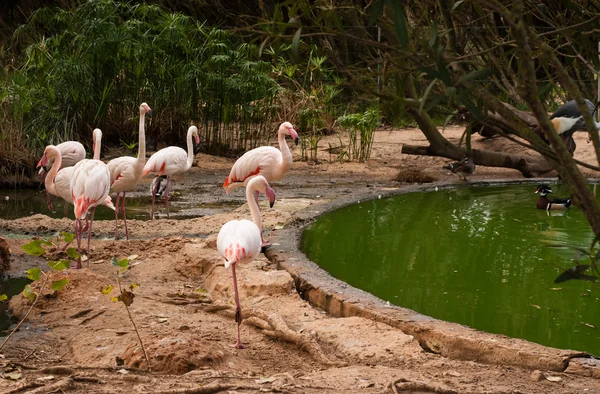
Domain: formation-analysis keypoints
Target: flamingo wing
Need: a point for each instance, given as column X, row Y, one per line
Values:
column 264, row 160
column 72, row 152
column 122, row 174
column 62, row 183
column 167, row 161
column 239, row 241
column 90, row 185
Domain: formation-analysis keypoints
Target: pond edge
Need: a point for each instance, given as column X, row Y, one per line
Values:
column 448, row 339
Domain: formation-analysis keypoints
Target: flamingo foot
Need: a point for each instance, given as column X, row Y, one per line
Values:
column 239, row 345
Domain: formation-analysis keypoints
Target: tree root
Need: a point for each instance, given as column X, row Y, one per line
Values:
column 60, row 386
column 214, row 388
column 272, row 325
column 400, row 385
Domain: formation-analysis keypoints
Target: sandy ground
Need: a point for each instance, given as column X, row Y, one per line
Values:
column 80, row 341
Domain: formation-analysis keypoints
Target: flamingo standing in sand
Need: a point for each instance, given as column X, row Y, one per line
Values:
column 239, row 241
column 171, row 160
column 126, row 171
column 90, row 186
column 58, row 179
column 71, row 153
column 268, row 161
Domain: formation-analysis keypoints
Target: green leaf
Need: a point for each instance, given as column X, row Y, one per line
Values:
column 114, row 299
column 58, row 285
column 59, row 265
column 34, row 248
column 73, row 253
column 434, row 39
column 455, row 6
column 107, row 289
column 46, row 242
column 29, row 293
column 68, row 237
column 400, row 22
column 296, row 45
column 133, row 285
column 376, row 11
column 3, row 297
column 472, row 108
column 34, row 273
column 123, row 263
column 423, row 99
column 477, row 74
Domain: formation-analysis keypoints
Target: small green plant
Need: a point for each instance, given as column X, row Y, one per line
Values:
column 131, row 145
column 39, row 277
column 126, row 296
column 361, row 130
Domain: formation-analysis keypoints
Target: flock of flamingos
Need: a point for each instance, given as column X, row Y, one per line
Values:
column 87, row 183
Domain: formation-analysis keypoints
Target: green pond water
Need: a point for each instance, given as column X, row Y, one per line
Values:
column 10, row 287
column 475, row 256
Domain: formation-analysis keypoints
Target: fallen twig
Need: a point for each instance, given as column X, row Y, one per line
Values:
column 213, row 388
column 401, row 385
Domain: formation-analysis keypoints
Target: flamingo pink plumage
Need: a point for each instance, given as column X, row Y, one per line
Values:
column 171, row 160
column 268, row 161
column 90, row 186
column 125, row 172
column 71, row 153
column 239, row 241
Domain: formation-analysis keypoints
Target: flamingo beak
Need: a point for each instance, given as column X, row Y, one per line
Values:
column 197, row 139
column 43, row 161
column 294, row 135
column 271, row 196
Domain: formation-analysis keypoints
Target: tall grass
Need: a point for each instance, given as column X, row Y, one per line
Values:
column 92, row 66
column 361, row 131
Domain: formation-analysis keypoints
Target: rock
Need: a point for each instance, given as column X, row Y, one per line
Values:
column 537, row 376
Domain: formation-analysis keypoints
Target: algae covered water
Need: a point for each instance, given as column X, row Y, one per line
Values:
column 475, row 256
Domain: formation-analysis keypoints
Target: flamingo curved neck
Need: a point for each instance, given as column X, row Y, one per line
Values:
column 286, row 155
column 49, row 181
column 254, row 210
column 190, row 151
column 141, row 157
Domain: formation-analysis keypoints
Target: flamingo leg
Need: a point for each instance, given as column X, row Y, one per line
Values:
column 78, row 232
column 167, row 194
column 90, row 234
column 117, row 216
column 50, row 207
column 238, row 309
column 124, row 217
column 154, row 192
column 66, row 210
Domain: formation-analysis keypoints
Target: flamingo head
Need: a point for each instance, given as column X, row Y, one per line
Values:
column 49, row 153
column 287, row 128
column 270, row 195
column 145, row 109
column 194, row 131
column 96, row 137
column 260, row 184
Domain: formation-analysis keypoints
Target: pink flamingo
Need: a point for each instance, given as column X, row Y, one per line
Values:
column 171, row 160
column 71, row 153
column 239, row 241
column 126, row 171
column 268, row 161
column 90, row 186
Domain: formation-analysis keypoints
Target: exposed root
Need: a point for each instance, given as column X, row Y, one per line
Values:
column 402, row 385
column 57, row 387
column 273, row 326
column 214, row 388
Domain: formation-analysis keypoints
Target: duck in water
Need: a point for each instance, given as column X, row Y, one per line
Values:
column 545, row 203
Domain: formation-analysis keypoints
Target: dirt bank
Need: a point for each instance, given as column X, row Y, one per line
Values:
column 305, row 331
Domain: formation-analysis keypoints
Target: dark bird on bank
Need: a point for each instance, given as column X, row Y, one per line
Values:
column 462, row 168
column 567, row 119
column 158, row 186
column 575, row 272
column 545, row 203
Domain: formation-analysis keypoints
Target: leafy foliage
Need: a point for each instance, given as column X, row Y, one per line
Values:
column 361, row 130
